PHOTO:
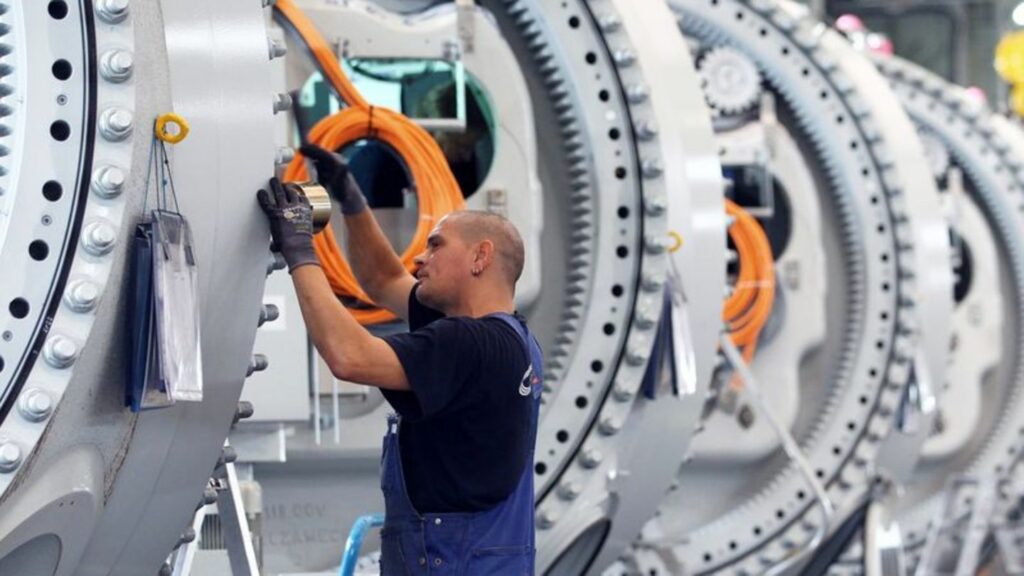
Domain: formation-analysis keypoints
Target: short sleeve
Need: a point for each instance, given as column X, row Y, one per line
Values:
column 437, row 360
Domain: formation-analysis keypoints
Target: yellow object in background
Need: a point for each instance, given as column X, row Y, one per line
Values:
column 1009, row 64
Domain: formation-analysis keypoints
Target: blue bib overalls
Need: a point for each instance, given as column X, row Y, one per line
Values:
column 496, row 541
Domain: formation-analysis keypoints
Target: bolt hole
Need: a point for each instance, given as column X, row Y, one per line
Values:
column 863, row 399
column 614, row 133
column 581, row 402
column 574, row 22
column 60, row 130
column 562, row 436
column 52, row 191
column 617, row 290
column 19, row 308
column 58, row 9
column 620, row 172
column 604, row 95
column 590, row 58
column 622, row 251
column 61, row 69
column 38, row 250
column 540, row 468
column 609, row 329
column 596, row 366
column 623, row 212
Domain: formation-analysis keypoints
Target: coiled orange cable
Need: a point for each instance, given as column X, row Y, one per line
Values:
column 436, row 189
column 750, row 305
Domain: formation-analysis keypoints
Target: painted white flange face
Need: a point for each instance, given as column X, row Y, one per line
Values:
column 68, row 131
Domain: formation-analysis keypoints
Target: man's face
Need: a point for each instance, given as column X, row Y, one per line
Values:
column 444, row 267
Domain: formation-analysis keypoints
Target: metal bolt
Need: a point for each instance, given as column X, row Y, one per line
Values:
column 651, row 168
column 610, row 426
column 35, row 405
column 282, row 102
column 654, row 244
column 624, row 57
column 591, row 457
column 652, row 281
column 82, row 296
column 285, row 154
column 10, row 457
column 60, row 352
column 278, row 49
column 546, row 519
column 108, row 181
column 622, row 392
column 609, row 22
column 646, row 130
column 99, row 238
column 269, row 313
column 645, row 314
column 112, row 11
column 636, row 93
column 276, row 262
column 636, row 353
column 116, row 124
column 117, row 65
column 569, row 490
column 655, row 204
column 258, row 363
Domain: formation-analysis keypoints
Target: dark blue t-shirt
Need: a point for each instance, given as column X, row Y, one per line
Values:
column 465, row 433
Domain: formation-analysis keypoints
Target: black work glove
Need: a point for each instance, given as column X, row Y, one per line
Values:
column 332, row 173
column 291, row 224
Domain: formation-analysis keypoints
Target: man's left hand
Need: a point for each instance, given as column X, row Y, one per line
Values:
column 291, row 224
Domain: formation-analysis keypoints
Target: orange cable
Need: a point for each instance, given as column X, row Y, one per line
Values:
column 436, row 189
column 750, row 305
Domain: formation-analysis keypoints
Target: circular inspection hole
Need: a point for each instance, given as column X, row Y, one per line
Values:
column 19, row 308
column 562, row 436
column 58, row 9
column 574, row 22
column 604, row 95
column 623, row 212
column 540, row 468
column 52, row 191
column 581, row 402
column 61, row 69
column 620, row 172
column 590, row 58
column 60, row 130
column 614, row 133
column 617, row 290
column 38, row 250
column 622, row 251
column 596, row 366
column 609, row 329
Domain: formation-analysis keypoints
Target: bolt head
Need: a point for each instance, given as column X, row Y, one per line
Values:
column 609, row 22
column 10, row 456
column 99, row 238
column 636, row 354
column 35, row 405
column 108, row 181
column 277, row 49
column 117, row 65
column 624, row 57
column 82, row 296
column 652, row 281
column 591, row 457
column 112, row 11
column 60, row 352
column 116, row 124
column 636, row 93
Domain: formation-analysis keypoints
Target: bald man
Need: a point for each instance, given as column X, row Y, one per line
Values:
column 457, row 468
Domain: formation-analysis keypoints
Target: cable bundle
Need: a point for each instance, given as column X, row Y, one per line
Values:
column 436, row 189
column 750, row 305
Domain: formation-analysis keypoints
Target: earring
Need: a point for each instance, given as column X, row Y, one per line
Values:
column 476, row 271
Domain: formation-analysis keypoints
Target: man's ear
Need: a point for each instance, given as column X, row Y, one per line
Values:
column 484, row 254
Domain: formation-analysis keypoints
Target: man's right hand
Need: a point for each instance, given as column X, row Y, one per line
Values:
column 333, row 173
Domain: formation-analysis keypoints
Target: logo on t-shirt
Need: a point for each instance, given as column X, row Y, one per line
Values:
column 526, row 384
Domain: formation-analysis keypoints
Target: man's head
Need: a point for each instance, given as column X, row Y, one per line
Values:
column 469, row 253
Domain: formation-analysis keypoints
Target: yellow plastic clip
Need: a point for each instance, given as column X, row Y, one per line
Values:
column 677, row 241
column 164, row 121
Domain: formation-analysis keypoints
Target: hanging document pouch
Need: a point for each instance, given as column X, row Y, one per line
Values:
column 166, row 361
column 176, row 307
